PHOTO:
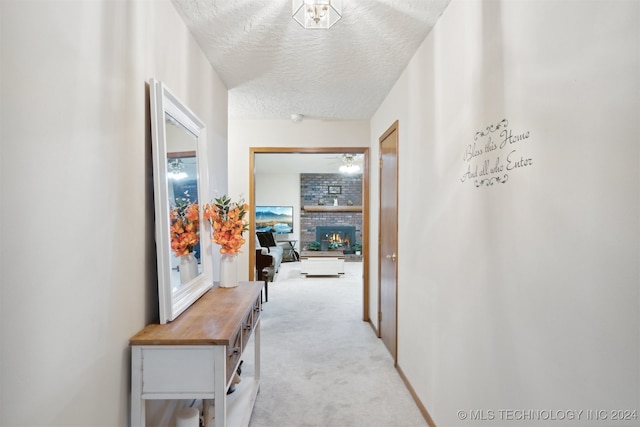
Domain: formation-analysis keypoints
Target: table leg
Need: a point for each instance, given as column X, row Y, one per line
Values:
column 292, row 252
column 220, row 386
column 138, row 409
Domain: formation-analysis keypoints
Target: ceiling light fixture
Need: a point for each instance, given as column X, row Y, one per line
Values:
column 317, row 14
column 349, row 168
column 349, row 165
column 176, row 170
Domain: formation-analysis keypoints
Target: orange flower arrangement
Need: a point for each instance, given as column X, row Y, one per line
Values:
column 184, row 228
column 228, row 220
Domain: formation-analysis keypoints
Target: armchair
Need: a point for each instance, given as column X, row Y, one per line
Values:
column 266, row 244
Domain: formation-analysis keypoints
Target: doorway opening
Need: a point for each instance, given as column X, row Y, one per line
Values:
column 335, row 199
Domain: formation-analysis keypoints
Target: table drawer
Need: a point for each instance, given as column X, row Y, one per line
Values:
column 249, row 322
column 183, row 369
column 234, row 351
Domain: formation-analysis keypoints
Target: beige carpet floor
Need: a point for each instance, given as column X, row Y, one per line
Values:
column 321, row 365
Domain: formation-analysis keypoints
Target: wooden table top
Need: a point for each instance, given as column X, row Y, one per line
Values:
column 212, row 320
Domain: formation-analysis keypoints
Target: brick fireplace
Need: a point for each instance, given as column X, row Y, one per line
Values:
column 314, row 191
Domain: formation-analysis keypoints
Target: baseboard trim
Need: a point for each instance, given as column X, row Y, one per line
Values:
column 423, row 410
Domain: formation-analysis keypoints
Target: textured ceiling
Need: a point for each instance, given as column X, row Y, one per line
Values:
column 274, row 68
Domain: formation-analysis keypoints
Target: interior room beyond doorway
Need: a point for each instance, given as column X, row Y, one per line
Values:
column 324, row 187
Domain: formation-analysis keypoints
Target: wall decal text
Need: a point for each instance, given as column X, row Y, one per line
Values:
column 495, row 152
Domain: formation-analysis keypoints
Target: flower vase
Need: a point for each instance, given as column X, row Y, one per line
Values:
column 228, row 271
column 188, row 268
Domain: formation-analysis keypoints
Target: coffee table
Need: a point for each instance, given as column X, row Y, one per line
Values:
column 322, row 263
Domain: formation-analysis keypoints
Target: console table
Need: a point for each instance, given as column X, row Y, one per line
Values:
column 196, row 355
column 322, row 263
column 290, row 249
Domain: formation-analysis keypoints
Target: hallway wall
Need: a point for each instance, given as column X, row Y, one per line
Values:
column 77, row 260
column 521, row 295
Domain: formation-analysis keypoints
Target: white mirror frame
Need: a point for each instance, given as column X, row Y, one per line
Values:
column 172, row 303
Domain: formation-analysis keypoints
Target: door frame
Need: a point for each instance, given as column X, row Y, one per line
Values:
column 393, row 128
column 365, row 206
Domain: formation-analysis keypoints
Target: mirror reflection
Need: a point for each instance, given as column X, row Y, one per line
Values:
column 182, row 191
column 184, row 218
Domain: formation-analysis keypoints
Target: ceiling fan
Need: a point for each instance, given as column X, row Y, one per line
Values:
column 349, row 162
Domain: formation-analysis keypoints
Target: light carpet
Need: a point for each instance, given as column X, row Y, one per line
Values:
column 321, row 365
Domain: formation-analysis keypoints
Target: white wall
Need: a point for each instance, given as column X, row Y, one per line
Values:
column 77, row 261
column 244, row 134
column 526, row 293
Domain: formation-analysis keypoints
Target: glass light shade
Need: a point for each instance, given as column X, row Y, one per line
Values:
column 317, row 14
column 349, row 168
column 176, row 176
column 176, row 170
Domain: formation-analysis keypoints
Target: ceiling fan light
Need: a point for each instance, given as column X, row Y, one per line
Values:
column 349, row 168
column 176, row 176
column 316, row 14
column 176, row 170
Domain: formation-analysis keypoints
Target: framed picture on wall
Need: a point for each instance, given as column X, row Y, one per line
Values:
column 335, row 189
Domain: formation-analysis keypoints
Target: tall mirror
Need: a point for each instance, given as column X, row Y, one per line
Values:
column 180, row 185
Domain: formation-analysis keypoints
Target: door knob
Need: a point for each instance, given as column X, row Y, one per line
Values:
column 392, row 257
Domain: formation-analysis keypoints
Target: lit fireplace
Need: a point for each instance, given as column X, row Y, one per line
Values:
column 341, row 236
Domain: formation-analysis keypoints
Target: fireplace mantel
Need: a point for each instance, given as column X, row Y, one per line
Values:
column 331, row 208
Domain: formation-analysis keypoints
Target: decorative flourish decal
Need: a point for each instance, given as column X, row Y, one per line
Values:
column 491, row 128
column 489, row 181
column 488, row 160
